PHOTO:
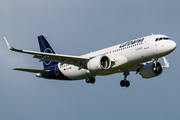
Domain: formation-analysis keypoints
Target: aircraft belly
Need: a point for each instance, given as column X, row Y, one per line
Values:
column 55, row 73
column 73, row 73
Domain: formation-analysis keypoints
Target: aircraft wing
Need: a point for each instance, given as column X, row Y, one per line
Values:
column 75, row 60
column 32, row 70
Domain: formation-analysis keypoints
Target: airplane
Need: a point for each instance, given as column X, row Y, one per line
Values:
column 139, row 55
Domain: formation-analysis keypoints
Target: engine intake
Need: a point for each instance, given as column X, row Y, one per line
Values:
column 150, row 70
column 99, row 63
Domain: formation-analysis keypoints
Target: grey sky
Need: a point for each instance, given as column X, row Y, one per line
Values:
column 75, row 27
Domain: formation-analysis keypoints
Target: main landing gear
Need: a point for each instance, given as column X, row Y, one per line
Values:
column 125, row 83
column 90, row 79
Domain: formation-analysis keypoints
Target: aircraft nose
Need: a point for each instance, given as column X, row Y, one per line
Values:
column 172, row 45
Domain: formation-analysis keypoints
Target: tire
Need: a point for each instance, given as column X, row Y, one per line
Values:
column 93, row 80
column 127, row 83
column 122, row 83
column 87, row 80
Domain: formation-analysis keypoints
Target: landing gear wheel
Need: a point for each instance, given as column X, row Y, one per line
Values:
column 90, row 80
column 125, row 83
column 122, row 83
column 93, row 80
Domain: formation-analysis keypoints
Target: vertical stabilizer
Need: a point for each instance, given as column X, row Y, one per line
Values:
column 46, row 47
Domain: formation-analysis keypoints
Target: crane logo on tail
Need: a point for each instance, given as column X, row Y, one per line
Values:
column 47, row 50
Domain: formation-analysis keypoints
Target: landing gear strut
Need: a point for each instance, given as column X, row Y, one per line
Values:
column 90, row 79
column 125, row 82
column 155, row 64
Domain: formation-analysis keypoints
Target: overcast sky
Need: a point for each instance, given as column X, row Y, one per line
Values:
column 75, row 27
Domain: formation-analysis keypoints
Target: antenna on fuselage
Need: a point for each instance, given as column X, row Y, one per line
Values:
column 151, row 33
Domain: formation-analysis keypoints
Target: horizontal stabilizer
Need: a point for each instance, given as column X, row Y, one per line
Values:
column 32, row 70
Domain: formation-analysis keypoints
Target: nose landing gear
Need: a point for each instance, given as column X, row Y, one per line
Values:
column 125, row 83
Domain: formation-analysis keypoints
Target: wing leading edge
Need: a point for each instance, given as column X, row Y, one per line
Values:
column 32, row 70
column 68, row 59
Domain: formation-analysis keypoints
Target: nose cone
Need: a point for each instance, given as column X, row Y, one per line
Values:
column 172, row 45
column 165, row 47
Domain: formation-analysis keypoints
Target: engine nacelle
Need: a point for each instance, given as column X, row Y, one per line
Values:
column 150, row 70
column 99, row 63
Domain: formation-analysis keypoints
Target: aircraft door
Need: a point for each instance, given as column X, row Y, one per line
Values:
column 146, row 43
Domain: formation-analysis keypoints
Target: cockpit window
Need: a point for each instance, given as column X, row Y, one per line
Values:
column 166, row 38
column 162, row 38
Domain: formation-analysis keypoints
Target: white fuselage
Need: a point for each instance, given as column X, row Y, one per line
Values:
column 125, row 56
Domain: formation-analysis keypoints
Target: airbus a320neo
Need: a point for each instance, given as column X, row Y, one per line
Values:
column 139, row 55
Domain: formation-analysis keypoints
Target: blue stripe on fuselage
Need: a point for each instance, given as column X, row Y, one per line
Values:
column 54, row 73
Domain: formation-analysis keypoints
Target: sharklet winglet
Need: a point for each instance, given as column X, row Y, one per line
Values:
column 7, row 43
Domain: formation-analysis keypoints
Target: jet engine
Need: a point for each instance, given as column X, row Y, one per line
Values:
column 151, row 69
column 99, row 63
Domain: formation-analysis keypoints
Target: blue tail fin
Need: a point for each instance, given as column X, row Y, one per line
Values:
column 47, row 48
